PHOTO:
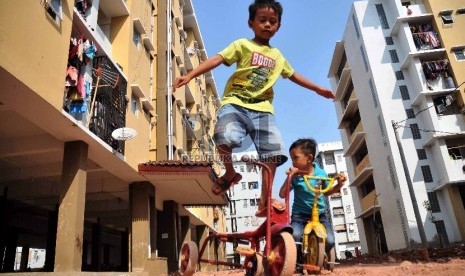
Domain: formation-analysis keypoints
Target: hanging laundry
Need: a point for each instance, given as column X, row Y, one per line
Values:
column 81, row 86
column 78, row 106
column 71, row 76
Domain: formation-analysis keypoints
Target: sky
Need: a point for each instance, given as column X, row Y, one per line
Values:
column 307, row 38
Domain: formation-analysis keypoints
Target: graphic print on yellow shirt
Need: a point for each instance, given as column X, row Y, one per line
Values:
column 258, row 68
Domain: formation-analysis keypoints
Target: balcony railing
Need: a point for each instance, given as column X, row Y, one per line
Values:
column 108, row 106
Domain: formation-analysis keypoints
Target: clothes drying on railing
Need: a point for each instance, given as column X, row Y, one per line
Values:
column 433, row 69
column 426, row 40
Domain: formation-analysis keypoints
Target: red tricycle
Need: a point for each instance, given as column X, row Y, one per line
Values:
column 279, row 254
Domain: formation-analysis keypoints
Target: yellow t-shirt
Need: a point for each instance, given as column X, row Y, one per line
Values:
column 258, row 69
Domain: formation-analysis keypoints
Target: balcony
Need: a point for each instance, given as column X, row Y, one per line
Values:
column 363, row 165
column 343, row 82
column 362, row 172
column 350, row 109
column 108, row 105
column 355, row 140
column 369, row 205
column 418, row 16
column 114, row 8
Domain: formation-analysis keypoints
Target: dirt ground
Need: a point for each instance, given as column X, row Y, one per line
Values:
column 442, row 261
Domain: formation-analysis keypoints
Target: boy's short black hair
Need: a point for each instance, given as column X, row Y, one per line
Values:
column 258, row 4
column 308, row 145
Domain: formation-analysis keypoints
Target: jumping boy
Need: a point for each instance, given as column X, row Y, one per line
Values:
column 246, row 105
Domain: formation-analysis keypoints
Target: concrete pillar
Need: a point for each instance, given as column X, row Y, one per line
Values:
column 70, row 230
column 140, row 193
column 202, row 235
column 51, row 240
column 168, row 241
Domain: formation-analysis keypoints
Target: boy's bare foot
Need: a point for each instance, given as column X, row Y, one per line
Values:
column 223, row 184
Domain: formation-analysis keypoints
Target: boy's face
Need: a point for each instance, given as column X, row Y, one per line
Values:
column 265, row 24
column 300, row 160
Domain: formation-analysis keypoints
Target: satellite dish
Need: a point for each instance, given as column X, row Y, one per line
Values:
column 123, row 134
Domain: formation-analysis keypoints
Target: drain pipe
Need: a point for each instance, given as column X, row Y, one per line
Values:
column 169, row 80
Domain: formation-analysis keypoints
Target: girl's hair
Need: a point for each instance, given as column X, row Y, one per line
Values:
column 272, row 4
column 308, row 145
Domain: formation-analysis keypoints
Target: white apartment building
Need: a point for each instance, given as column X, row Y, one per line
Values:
column 244, row 198
column 395, row 71
column 331, row 158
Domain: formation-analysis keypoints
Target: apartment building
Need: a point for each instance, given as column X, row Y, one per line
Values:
column 341, row 206
column 244, row 198
column 101, row 165
column 398, row 76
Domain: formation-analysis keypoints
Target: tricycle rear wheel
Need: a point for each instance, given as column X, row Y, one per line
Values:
column 188, row 259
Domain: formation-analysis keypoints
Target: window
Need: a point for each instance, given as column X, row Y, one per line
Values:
column 382, row 16
column 427, row 176
column 243, row 185
column 345, row 191
column 365, row 61
column 241, row 169
column 404, row 92
column 253, row 185
column 460, row 11
column 232, row 207
column 53, row 8
column 233, row 225
column 394, row 57
column 392, row 172
column 410, row 113
column 338, row 211
column 252, row 202
column 421, row 154
column 389, row 40
column 373, row 93
column 348, row 209
column 134, row 105
column 415, row 131
column 340, row 228
column 381, row 129
column 135, row 37
column 433, row 202
column 354, row 20
column 399, row 75
column 447, row 17
column 246, row 203
column 329, row 160
column 459, row 53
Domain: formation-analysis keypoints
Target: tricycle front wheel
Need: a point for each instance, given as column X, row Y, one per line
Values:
column 315, row 252
column 282, row 258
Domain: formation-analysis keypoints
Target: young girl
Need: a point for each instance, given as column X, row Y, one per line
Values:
column 246, row 106
column 302, row 154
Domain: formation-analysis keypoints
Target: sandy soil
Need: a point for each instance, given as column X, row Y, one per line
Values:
column 442, row 261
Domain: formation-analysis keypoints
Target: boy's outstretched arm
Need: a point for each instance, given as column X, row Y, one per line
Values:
column 302, row 81
column 207, row 65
